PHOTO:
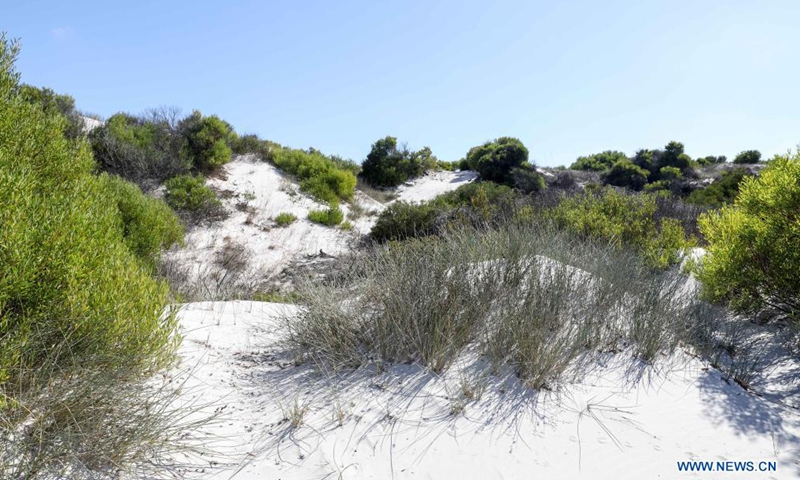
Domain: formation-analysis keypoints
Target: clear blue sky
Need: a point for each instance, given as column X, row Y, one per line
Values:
column 566, row 77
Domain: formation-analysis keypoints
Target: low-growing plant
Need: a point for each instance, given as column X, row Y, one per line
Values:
column 284, row 219
column 533, row 297
column 402, row 220
column 331, row 216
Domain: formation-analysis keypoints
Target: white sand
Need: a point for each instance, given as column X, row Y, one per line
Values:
column 269, row 192
column 623, row 420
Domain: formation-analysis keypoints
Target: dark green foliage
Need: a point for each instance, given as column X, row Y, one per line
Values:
column 326, row 179
column 189, row 195
column 495, row 160
column 527, row 180
column 753, row 256
column 721, row 192
column 284, row 219
column 598, row 162
column 463, row 165
column 208, row 141
column 387, row 165
column 748, row 156
column 148, row 224
column 402, row 220
column 625, row 174
column 331, row 216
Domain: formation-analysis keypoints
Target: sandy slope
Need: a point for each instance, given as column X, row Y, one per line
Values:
column 261, row 192
column 618, row 420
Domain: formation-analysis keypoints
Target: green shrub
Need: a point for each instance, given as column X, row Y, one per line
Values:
column 402, row 220
column 319, row 175
column 598, row 162
column 471, row 193
column 495, row 160
column 55, row 104
column 748, row 156
column 190, row 195
column 148, row 225
column 712, row 160
column 527, row 180
column 70, row 287
column 753, row 256
column 722, row 191
column 387, row 165
column 626, row 174
column 141, row 148
column 284, row 219
column 208, row 141
column 331, row 216
column 626, row 220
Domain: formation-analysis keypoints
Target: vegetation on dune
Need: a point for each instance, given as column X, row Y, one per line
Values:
column 284, row 219
column 207, row 141
column 748, row 156
column 330, row 216
column 532, row 297
column 598, row 162
column 722, row 191
column 81, row 318
column 753, row 256
column 388, row 165
column 189, row 195
column 319, row 175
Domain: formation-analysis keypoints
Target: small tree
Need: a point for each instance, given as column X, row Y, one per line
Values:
column 753, row 257
column 495, row 160
column 388, row 165
column 626, row 174
column 208, row 140
column 748, row 156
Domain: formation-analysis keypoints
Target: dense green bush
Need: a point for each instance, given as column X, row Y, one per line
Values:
column 495, row 160
column 748, row 156
column 208, row 140
column 626, row 174
column 753, row 257
column 625, row 219
column 470, row 193
column 402, row 220
column 70, row 287
column 722, row 191
column 320, row 176
column 388, row 165
column 331, row 216
column 55, row 104
column 189, row 195
column 598, row 162
column 527, row 180
column 148, row 224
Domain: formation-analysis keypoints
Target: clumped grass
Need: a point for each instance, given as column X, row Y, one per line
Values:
column 284, row 219
column 331, row 216
column 531, row 297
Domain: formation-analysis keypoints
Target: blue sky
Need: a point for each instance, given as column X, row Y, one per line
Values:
column 568, row 78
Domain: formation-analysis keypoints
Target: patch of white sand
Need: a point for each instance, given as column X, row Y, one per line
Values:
column 622, row 420
column 433, row 184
